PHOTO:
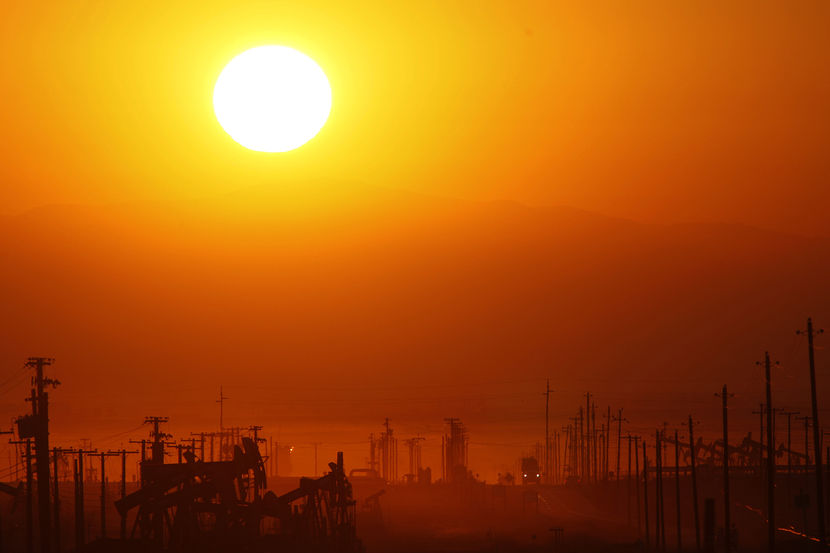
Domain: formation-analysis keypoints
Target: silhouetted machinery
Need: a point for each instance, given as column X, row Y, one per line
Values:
column 220, row 506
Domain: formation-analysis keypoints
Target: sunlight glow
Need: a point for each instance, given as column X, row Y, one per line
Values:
column 272, row 99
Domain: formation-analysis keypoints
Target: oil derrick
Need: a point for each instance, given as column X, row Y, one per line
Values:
column 455, row 451
column 414, row 447
column 373, row 455
column 36, row 426
column 383, row 453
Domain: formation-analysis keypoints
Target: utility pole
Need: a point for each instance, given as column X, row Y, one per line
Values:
column 123, row 454
column 594, row 441
column 588, row 436
column 693, row 449
column 547, row 430
column 637, row 487
column 56, row 502
column 607, row 444
column 660, row 497
column 760, row 412
column 157, row 451
column 677, row 487
column 580, row 440
column 40, row 414
column 30, row 516
column 816, row 432
column 628, row 482
column 221, row 402
column 619, row 420
column 806, row 419
column 770, row 459
column 724, row 395
column 645, row 495
column 202, row 436
column 103, row 455
column 80, row 523
column 789, row 415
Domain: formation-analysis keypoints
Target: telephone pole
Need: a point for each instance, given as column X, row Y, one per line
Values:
column 40, row 433
column 619, row 420
column 547, row 430
column 724, row 395
column 157, row 446
column 677, row 488
column 221, row 402
column 645, row 495
column 789, row 415
column 607, row 445
column 816, row 431
column 123, row 454
column 587, row 456
column 693, row 449
column 29, row 528
column 103, row 455
column 770, row 459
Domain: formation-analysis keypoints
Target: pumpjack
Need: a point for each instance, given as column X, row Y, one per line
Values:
column 199, row 506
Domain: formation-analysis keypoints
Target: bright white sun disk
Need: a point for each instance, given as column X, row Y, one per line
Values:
column 272, row 99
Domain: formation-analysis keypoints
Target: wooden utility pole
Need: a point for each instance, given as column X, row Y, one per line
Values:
column 221, row 402
column 677, row 487
column 760, row 412
column 123, row 454
column 157, row 450
column 80, row 524
column 547, row 430
column 202, row 436
column 30, row 516
column 594, row 444
column 40, row 433
column 727, row 530
column 693, row 449
column 607, row 444
column 789, row 415
column 619, row 420
column 661, row 497
column 816, row 432
column 637, row 473
column 103, row 475
column 645, row 494
column 587, row 455
column 770, row 460
column 628, row 481
column 56, row 502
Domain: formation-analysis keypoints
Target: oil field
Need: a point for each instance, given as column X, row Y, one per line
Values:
column 590, row 483
column 467, row 276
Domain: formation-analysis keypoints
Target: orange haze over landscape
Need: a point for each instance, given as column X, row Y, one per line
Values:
column 629, row 199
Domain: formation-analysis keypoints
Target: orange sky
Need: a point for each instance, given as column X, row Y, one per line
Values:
column 652, row 110
column 363, row 275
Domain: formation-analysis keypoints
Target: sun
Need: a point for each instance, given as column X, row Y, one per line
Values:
column 272, row 99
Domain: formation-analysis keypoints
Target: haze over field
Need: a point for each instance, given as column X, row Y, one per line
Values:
column 401, row 305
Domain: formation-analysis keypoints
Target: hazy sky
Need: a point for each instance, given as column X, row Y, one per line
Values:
column 354, row 279
column 651, row 110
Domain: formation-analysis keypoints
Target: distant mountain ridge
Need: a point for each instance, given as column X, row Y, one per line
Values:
column 361, row 283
